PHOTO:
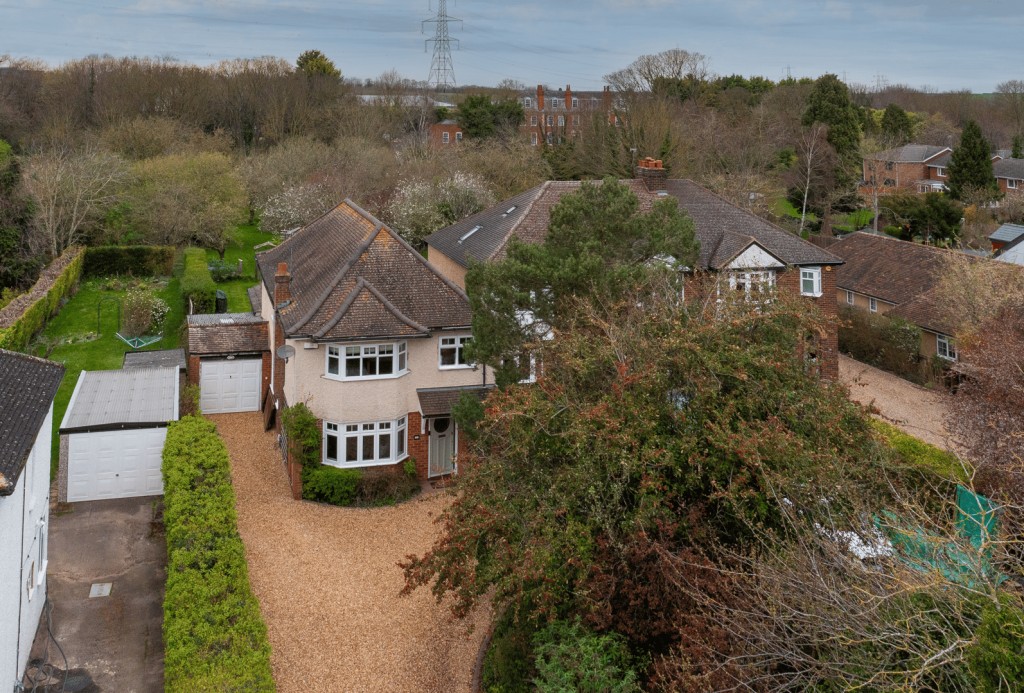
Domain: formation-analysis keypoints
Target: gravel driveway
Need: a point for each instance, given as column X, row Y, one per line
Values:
column 914, row 409
column 327, row 582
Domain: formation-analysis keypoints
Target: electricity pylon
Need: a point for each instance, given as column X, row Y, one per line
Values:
column 442, row 73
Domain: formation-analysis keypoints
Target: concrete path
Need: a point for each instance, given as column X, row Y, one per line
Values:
column 328, row 583
column 114, row 640
column 916, row 410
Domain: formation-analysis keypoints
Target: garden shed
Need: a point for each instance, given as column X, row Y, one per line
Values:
column 112, row 435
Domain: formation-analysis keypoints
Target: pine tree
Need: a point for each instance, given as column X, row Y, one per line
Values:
column 896, row 125
column 829, row 103
column 970, row 167
column 1018, row 147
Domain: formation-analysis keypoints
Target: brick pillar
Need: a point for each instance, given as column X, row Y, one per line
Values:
column 540, row 97
column 418, row 445
column 193, row 369
column 568, row 97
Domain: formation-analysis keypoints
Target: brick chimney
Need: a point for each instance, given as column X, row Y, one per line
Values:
column 540, row 97
column 568, row 97
column 653, row 174
column 282, row 284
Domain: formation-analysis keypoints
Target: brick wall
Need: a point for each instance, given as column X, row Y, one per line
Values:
column 418, row 444
column 827, row 344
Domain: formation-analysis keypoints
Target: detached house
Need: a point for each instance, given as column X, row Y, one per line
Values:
column 885, row 275
column 912, row 167
column 748, row 252
column 371, row 337
column 27, row 388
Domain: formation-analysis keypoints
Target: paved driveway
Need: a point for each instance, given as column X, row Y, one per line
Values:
column 114, row 640
column 916, row 410
column 327, row 582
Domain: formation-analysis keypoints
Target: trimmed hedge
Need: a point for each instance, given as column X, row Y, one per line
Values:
column 197, row 282
column 134, row 260
column 214, row 636
column 27, row 314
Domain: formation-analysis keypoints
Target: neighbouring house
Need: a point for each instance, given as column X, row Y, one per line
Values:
column 112, row 435
column 1012, row 252
column 27, row 388
column 1009, row 175
column 747, row 251
column 371, row 338
column 912, row 167
column 1005, row 235
column 897, row 278
column 551, row 118
column 444, row 133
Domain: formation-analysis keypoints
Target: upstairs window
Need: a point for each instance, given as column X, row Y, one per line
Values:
column 445, row 137
column 849, row 297
column 533, row 120
column 1011, row 183
column 873, row 305
column 527, row 102
column 366, row 361
column 575, row 102
column 561, row 121
column 940, row 171
column 810, row 281
column 753, row 284
column 452, row 353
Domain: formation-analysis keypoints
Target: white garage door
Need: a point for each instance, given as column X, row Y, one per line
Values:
column 227, row 386
column 115, row 464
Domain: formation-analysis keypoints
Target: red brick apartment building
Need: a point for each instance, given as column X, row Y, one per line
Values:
column 557, row 116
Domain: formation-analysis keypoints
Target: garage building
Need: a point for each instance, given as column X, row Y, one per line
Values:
column 112, row 436
column 229, row 358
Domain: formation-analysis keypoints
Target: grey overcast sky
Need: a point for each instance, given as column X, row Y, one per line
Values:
column 939, row 44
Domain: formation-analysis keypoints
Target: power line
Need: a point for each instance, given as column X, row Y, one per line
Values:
column 442, row 72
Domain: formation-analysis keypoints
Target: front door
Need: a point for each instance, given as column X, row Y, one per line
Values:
column 442, row 447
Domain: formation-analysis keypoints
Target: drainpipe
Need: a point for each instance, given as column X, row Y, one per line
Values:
column 21, row 579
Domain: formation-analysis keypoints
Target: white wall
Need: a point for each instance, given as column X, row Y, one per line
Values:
column 371, row 400
column 23, row 516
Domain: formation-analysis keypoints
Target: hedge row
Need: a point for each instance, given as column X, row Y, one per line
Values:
column 135, row 260
column 27, row 314
column 892, row 344
column 197, row 283
column 214, row 636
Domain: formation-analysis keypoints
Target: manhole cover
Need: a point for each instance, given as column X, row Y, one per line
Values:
column 100, row 589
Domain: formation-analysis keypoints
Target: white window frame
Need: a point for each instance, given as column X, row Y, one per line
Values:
column 944, row 347
column 341, row 353
column 940, row 171
column 1011, row 183
column 550, row 120
column 554, row 102
column 850, row 298
column 575, row 102
column 395, row 432
column 458, row 343
column 458, row 136
column 764, row 280
column 533, row 139
column 873, row 305
column 527, row 102
column 812, row 275
column 533, row 120
column 446, row 137
column 561, row 121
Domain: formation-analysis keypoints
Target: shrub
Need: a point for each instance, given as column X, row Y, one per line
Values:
column 508, row 663
column 889, row 343
column 223, row 271
column 214, row 636
column 27, row 314
column 190, row 400
column 385, row 488
column 568, row 657
column 302, row 430
column 135, row 260
column 197, row 284
column 142, row 313
column 919, row 454
column 330, row 485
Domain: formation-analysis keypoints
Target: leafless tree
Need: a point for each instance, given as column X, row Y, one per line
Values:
column 1011, row 98
column 674, row 63
column 70, row 190
column 817, row 162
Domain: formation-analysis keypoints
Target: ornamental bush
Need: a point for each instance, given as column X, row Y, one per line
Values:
column 568, row 657
column 214, row 636
column 330, row 485
column 197, row 283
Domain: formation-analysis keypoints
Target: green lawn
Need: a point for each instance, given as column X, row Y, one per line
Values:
column 245, row 238
column 74, row 337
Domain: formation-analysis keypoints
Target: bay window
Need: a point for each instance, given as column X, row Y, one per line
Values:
column 365, row 444
column 366, row 361
column 752, row 283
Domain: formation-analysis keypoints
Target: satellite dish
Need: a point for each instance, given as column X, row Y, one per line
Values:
column 285, row 351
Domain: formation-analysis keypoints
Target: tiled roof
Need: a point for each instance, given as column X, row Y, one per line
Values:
column 1007, row 233
column 352, row 276
column 227, row 333
column 887, row 268
column 159, row 358
column 941, row 161
column 723, row 229
column 438, row 401
column 909, row 153
column 111, row 399
column 924, row 311
column 1009, row 168
column 255, row 299
column 27, row 388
